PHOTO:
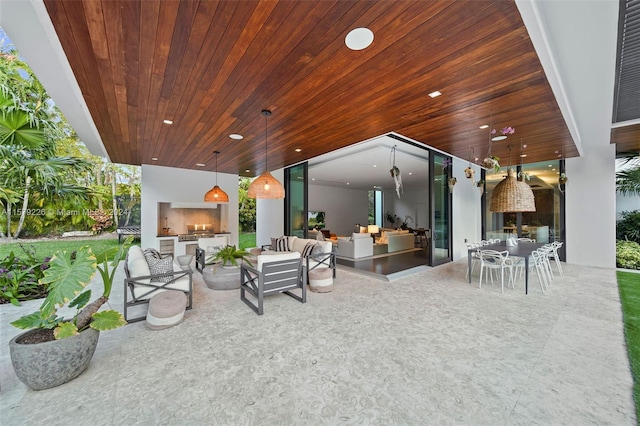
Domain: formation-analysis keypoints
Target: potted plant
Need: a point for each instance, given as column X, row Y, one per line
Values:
column 469, row 172
column 55, row 350
column 492, row 162
column 563, row 179
column 523, row 176
column 452, row 182
column 228, row 256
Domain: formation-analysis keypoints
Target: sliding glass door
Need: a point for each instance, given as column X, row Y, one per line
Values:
column 440, row 208
column 295, row 202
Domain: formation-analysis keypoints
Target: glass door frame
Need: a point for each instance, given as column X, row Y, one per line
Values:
column 288, row 191
column 433, row 261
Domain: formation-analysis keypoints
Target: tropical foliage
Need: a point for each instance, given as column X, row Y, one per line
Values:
column 49, row 182
column 20, row 275
column 628, row 226
column 247, row 207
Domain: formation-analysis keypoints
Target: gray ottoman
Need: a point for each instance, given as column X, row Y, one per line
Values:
column 321, row 280
column 166, row 309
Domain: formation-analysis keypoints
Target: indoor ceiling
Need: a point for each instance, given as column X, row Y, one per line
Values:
column 211, row 67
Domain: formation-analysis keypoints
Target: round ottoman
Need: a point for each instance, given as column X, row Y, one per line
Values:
column 321, row 280
column 166, row 309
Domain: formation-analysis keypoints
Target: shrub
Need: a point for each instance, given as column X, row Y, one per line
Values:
column 628, row 255
column 628, row 226
column 20, row 276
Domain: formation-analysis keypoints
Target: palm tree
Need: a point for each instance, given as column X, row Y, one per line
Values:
column 27, row 165
column 628, row 176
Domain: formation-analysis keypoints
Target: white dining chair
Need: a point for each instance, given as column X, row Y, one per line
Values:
column 492, row 260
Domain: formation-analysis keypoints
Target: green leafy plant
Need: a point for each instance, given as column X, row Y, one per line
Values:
column 627, row 255
column 628, row 226
column 67, row 275
column 229, row 255
column 20, row 275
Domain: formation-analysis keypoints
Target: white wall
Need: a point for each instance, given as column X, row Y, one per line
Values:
column 168, row 184
column 413, row 205
column 627, row 203
column 591, row 208
column 344, row 207
column 466, row 209
column 270, row 216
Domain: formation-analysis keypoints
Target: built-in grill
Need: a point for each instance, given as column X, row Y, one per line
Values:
column 197, row 231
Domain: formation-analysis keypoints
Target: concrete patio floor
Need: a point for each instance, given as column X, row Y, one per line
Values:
column 428, row 348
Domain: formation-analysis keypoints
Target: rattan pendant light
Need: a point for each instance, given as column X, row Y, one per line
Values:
column 216, row 194
column 512, row 195
column 265, row 185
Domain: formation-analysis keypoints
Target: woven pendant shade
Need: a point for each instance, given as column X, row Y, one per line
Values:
column 216, row 195
column 265, row 186
column 511, row 195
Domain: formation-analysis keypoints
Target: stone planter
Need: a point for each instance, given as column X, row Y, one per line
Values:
column 221, row 277
column 50, row 364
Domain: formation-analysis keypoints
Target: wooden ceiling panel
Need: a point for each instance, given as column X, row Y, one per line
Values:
column 211, row 67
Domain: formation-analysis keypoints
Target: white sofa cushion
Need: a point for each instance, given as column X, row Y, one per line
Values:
column 137, row 263
column 274, row 256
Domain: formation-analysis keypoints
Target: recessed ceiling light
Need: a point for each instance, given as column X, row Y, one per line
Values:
column 410, row 173
column 347, row 183
column 313, row 178
column 247, row 171
column 359, row 38
column 523, row 155
column 550, row 165
column 524, row 146
column 167, row 121
column 498, row 138
column 236, row 136
column 375, row 165
column 435, row 94
column 200, row 164
column 298, row 150
column 553, row 170
column 484, row 126
column 154, row 158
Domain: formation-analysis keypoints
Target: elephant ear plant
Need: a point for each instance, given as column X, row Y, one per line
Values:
column 68, row 274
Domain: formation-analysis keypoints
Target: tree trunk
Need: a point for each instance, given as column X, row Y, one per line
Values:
column 84, row 317
column 25, row 204
column 113, row 198
column 9, row 207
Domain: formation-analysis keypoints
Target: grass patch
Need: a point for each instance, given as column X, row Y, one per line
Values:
column 247, row 240
column 47, row 248
column 629, row 287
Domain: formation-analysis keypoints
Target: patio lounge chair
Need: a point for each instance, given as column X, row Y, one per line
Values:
column 275, row 273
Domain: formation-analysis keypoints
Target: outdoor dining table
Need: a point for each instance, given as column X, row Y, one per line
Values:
column 522, row 249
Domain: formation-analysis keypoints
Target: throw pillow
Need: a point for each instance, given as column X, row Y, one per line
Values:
column 317, row 249
column 282, row 244
column 151, row 253
column 161, row 266
column 308, row 248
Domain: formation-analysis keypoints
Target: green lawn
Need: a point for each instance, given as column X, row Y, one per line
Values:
column 629, row 286
column 247, row 240
column 47, row 248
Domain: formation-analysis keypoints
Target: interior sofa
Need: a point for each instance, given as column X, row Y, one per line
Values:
column 397, row 240
column 321, row 254
column 357, row 246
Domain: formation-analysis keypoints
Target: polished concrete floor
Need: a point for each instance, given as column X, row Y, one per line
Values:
column 426, row 349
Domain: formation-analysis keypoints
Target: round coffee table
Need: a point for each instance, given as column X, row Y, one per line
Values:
column 221, row 277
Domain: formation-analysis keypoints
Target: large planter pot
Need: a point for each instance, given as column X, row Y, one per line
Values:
column 50, row 364
column 222, row 277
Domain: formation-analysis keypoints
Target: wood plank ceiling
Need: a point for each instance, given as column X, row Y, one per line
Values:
column 211, row 67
